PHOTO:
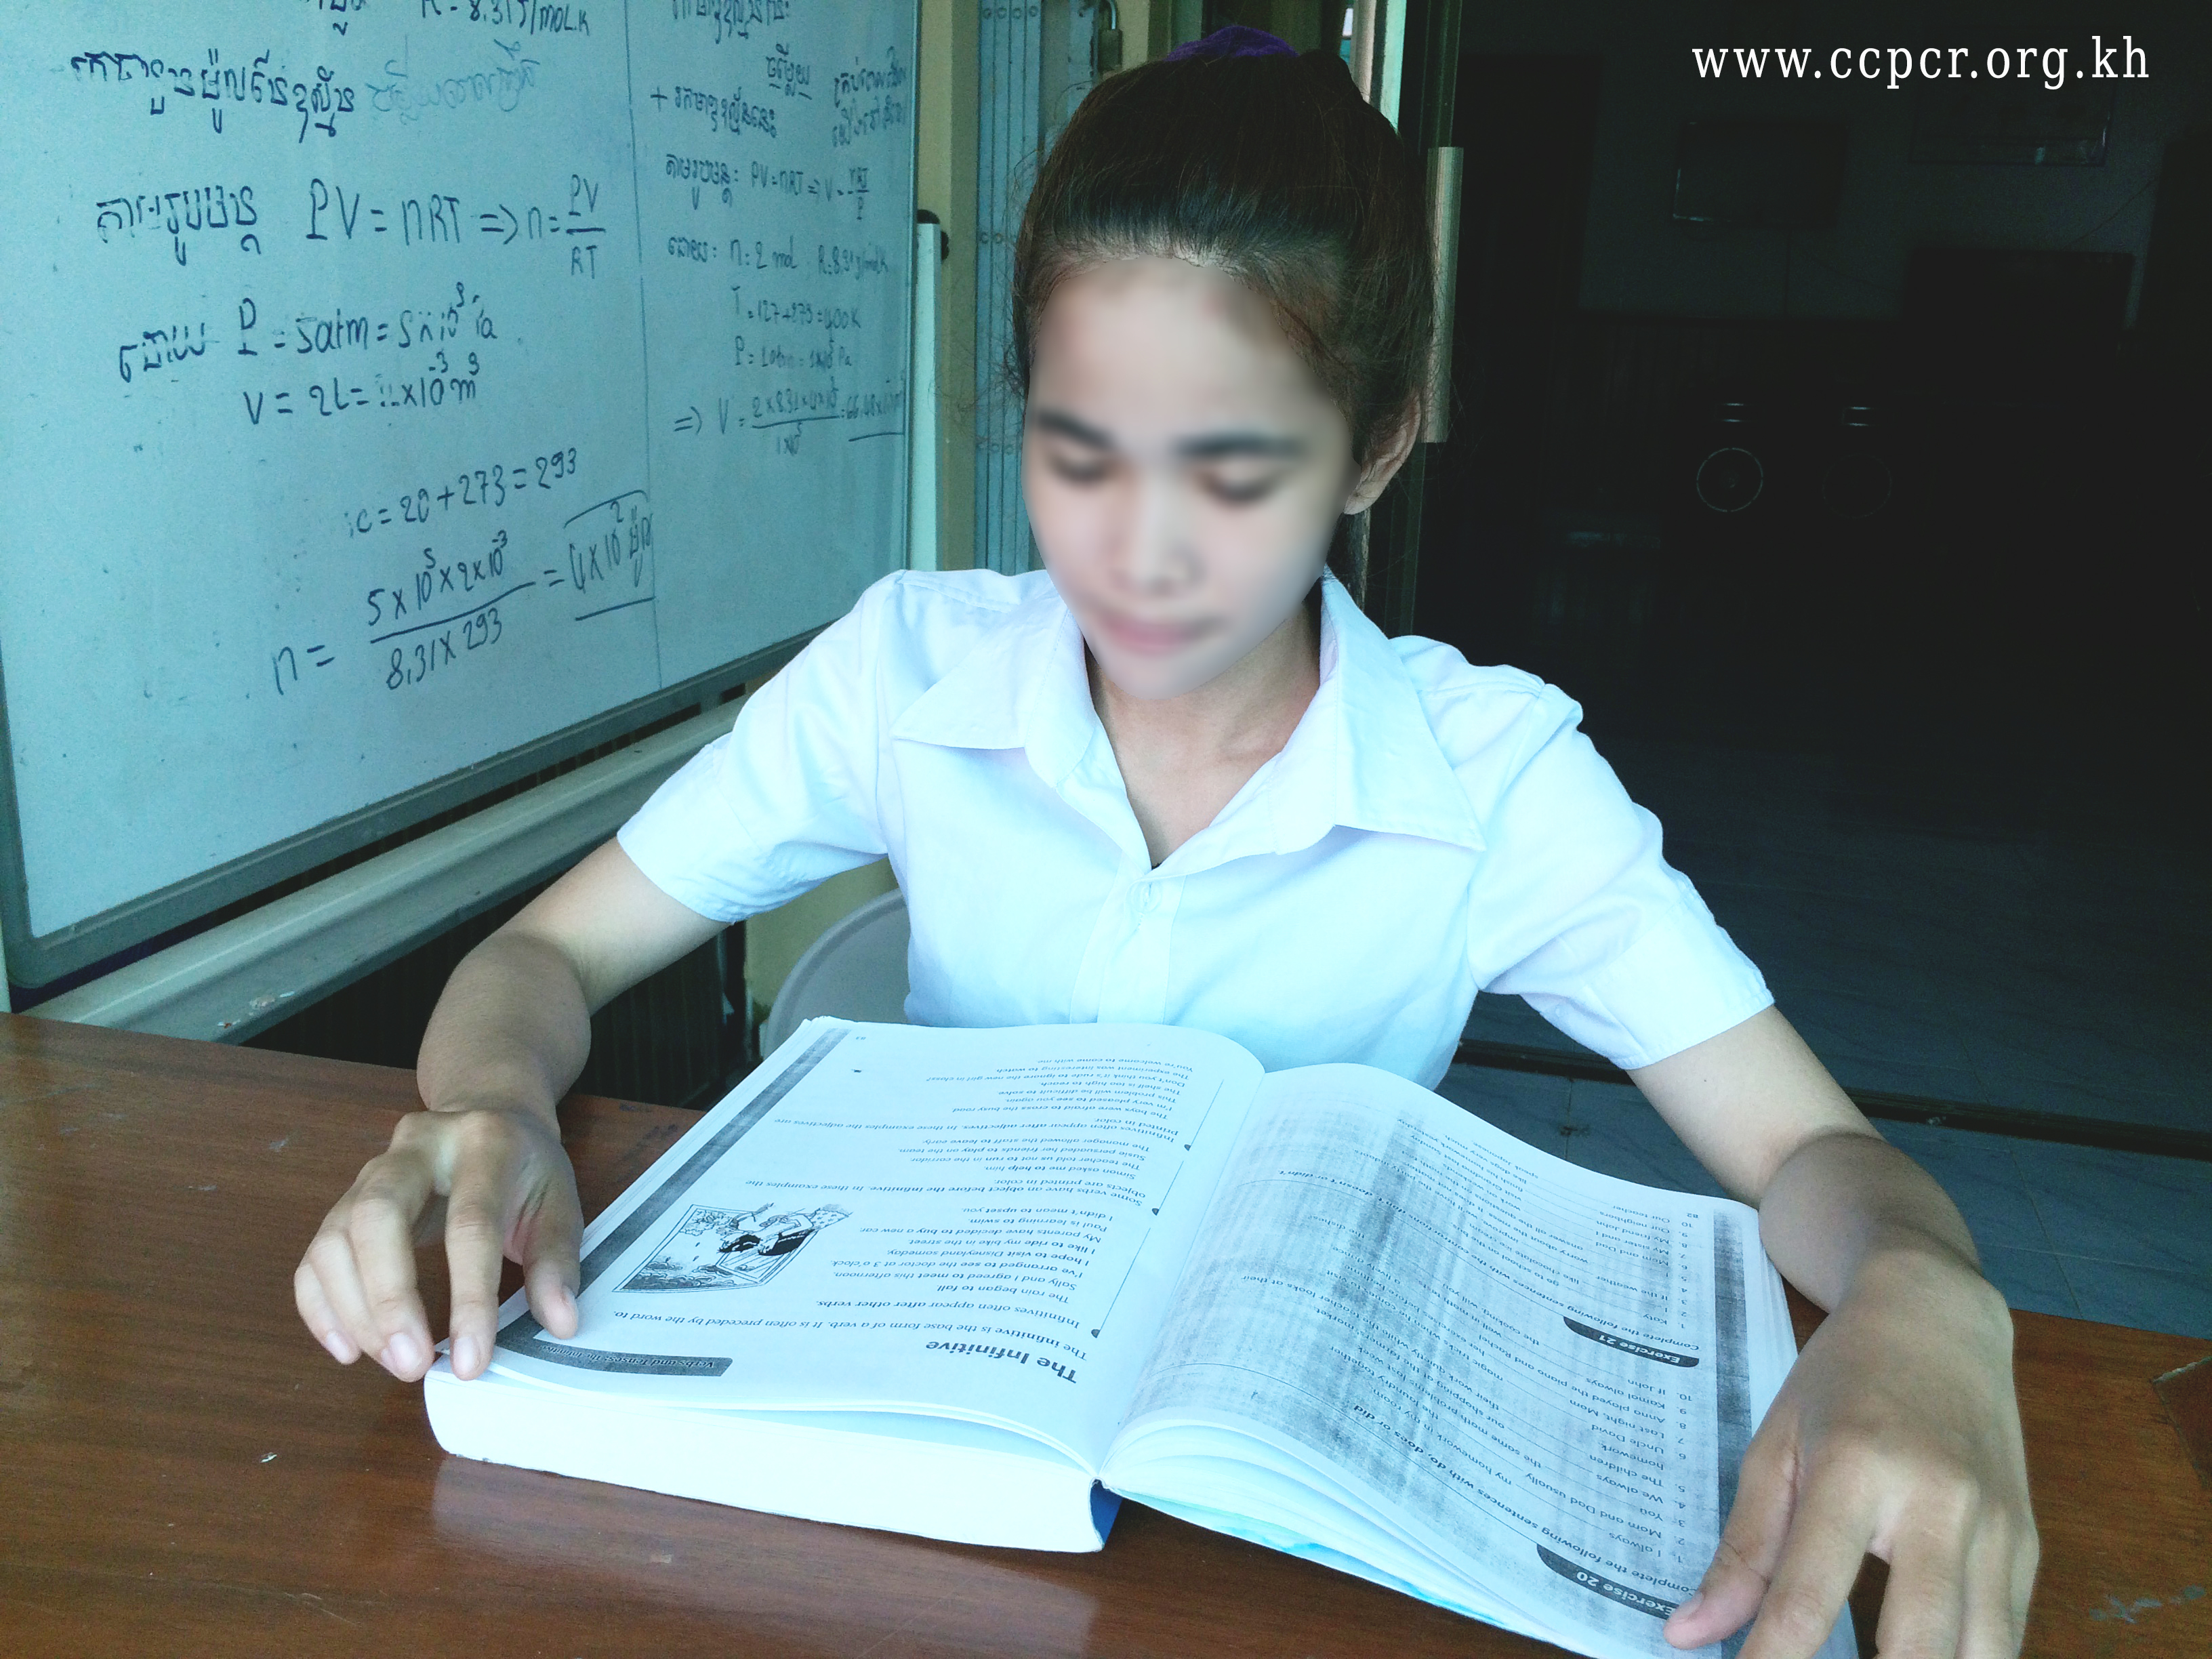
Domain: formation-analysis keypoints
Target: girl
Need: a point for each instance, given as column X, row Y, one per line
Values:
column 1176, row 776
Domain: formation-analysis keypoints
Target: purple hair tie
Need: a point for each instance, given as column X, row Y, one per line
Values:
column 1234, row 41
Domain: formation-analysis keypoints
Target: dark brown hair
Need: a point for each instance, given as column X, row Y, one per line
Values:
column 1274, row 169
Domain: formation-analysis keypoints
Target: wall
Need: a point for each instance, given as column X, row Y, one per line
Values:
column 945, row 183
column 1147, row 30
column 1301, row 23
column 1637, row 259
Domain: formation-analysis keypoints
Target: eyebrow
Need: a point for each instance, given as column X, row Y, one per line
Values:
column 1066, row 425
column 1217, row 446
column 1223, row 445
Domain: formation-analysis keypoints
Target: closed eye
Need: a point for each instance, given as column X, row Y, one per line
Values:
column 1085, row 470
column 1075, row 450
column 1241, row 492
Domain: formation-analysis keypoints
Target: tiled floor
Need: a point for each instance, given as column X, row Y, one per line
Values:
column 1922, row 954
column 2122, row 1237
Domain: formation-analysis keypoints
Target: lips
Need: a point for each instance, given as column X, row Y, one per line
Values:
column 1150, row 639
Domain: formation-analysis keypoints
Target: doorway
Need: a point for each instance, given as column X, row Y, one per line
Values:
column 1867, row 574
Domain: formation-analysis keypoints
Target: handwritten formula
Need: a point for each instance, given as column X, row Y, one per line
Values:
column 387, row 385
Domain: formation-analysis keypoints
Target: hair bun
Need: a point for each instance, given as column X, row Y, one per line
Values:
column 1233, row 41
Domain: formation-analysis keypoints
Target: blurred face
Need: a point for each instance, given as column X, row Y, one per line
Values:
column 1183, row 469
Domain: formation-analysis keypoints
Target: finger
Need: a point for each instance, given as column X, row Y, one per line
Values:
column 330, row 1259
column 473, row 1256
column 1924, row 1605
column 321, row 1320
column 1827, row 1542
column 546, row 1237
column 1751, row 1543
column 553, row 1297
column 2000, row 1576
column 380, row 1225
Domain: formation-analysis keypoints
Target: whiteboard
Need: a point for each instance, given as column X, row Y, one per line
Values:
column 387, row 387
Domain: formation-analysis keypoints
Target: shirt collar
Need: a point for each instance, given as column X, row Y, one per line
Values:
column 1393, row 779
column 1026, row 687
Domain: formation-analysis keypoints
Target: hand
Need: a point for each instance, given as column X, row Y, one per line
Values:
column 504, row 1187
column 1896, row 1434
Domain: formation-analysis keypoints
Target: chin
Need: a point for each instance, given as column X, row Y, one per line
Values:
column 1158, row 678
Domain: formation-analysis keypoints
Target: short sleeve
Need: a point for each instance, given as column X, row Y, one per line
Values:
column 784, row 802
column 1576, row 909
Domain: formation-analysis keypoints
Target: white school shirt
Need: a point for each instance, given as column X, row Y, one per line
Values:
column 1431, row 830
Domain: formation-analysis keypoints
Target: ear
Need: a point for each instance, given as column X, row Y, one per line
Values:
column 1397, row 445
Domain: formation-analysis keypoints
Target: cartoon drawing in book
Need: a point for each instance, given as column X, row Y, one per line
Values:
column 717, row 1249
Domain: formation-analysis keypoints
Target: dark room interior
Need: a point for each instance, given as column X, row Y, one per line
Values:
column 1841, row 449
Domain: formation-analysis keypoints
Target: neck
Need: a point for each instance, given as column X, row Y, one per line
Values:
column 1248, row 711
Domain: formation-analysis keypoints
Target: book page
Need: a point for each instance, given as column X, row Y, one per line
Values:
column 1519, row 1374
column 978, row 1224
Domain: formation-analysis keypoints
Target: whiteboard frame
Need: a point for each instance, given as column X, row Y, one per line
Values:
column 34, row 961
column 249, row 973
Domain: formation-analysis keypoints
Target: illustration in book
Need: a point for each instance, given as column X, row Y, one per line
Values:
column 713, row 1249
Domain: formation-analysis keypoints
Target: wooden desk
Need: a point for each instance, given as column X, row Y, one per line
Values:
column 184, row 1472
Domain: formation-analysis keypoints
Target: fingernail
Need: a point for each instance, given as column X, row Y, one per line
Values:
column 468, row 1355
column 1697, row 1599
column 401, row 1353
column 340, row 1349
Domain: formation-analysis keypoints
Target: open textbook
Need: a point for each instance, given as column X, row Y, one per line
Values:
column 982, row 1285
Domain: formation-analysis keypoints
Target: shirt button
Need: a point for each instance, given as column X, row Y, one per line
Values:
column 1143, row 898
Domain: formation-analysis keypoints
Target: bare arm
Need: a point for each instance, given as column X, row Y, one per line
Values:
column 515, row 1022
column 1755, row 1104
column 1897, row 1431
column 506, row 1040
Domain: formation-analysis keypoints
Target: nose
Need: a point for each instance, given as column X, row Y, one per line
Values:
column 1154, row 555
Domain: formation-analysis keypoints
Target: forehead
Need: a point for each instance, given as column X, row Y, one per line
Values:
column 1156, row 344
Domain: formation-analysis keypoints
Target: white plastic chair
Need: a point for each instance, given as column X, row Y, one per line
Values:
column 855, row 970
